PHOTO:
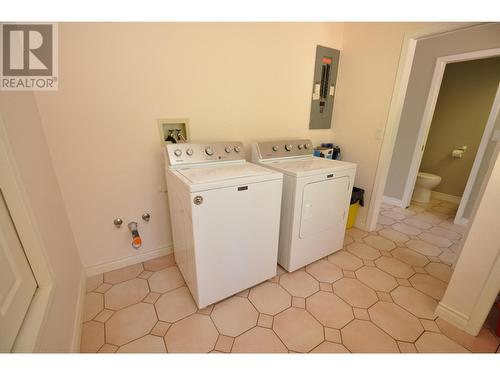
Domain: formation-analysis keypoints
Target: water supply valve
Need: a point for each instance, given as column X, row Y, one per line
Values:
column 136, row 238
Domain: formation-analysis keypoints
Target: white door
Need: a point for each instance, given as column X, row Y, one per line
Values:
column 324, row 206
column 17, row 283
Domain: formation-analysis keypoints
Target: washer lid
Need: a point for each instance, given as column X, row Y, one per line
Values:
column 200, row 175
column 309, row 166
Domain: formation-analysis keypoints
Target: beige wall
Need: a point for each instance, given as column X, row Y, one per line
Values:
column 368, row 66
column 463, row 106
column 426, row 52
column 233, row 81
column 27, row 140
column 241, row 82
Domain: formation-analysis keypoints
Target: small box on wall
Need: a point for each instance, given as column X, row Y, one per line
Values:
column 173, row 131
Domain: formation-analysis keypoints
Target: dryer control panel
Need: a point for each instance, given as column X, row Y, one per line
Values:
column 282, row 149
column 209, row 152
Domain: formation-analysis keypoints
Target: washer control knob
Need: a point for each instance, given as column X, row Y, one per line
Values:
column 237, row 148
column 189, row 151
column 306, row 145
column 288, row 147
column 275, row 148
column 228, row 149
column 300, row 147
column 209, row 151
column 177, row 152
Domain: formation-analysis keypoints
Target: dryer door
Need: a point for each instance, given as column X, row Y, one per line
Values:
column 324, row 206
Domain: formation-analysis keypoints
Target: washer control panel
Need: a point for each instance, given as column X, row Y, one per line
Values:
column 193, row 153
column 284, row 148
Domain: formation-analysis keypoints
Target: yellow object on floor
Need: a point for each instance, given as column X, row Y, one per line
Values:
column 351, row 218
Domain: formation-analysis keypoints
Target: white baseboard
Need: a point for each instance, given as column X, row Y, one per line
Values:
column 462, row 221
column 393, row 201
column 80, row 304
column 128, row 261
column 452, row 316
column 446, row 197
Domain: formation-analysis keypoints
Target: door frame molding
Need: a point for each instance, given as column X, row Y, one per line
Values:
column 28, row 337
column 426, row 122
column 485, row 139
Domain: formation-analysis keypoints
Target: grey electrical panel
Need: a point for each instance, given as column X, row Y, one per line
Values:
column 323, row 92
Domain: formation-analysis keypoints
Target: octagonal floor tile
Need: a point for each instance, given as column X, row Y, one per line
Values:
column 347, row 240
column 440, row 271
column 126, row 294
column 92, row 337
column 298, row 330
column 363, row 251
column 428, row 218
column 270, row 298
column 355, row 293
column 428, row 285
column 195, row 334
column 329, row 309
column 376, row 279
column 166, row 279
column 234, row 316
column 175, row 305
column 409, row 257
column 442, row 232
column 361, row 336
column 394, row 267
column 379, row 242
column 345, row 260
column 93, row 306
column 123, row 274
column 356, row 233
column 416, row 302
column 432, row 342
column 485, row 342
column 418, row 223
column 329, row 347
column 435, row 240
column 130, row 323
column 398, row 323
column 392, row 214
column 299, row 283
column 146, row 344
column 448, row 257
column 453, row 227
column 384, row 220
column 423, row 248
column 393, row 235
column 406, row 229
column 324, row 271
column 258, row 340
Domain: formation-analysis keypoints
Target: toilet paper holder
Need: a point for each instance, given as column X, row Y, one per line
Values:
column 459, row 152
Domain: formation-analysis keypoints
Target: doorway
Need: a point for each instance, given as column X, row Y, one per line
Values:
column 26, row 284
column 461, row 112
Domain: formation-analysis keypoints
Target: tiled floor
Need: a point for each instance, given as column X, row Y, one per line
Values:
column 378, row 294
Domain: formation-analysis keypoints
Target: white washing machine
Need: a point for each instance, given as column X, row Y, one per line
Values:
column 315, row 202
column 225, row 215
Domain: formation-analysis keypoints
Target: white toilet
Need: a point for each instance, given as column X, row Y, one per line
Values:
column 424, row 185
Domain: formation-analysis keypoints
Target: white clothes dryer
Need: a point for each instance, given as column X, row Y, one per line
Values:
column 315, row 200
